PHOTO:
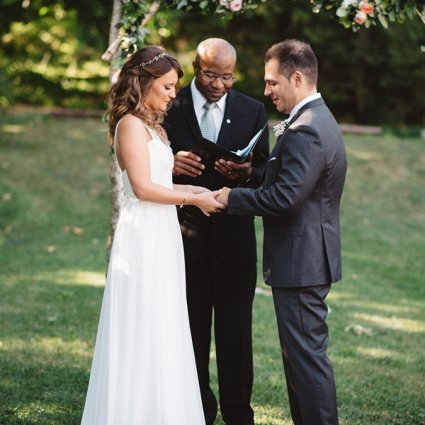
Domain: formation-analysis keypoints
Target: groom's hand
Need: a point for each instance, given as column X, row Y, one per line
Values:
column 223, row 197
column 187, row 164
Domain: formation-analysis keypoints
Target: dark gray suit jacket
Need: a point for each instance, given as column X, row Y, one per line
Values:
column 299, row 200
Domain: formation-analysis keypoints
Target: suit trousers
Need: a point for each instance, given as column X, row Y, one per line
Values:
column 303, row 333
column 225, row 292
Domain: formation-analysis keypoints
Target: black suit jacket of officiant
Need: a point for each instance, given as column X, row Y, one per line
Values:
column 299, row 200
column 232, row 237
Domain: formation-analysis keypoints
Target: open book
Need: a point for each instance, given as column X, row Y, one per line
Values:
column 210, row 151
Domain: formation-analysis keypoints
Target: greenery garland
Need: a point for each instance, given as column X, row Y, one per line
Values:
column 352, row 14
column 224, row 7
column 132, row 31
column 356, row 14
column 135, row 14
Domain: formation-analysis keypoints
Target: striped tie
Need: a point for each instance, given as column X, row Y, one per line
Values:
column 207, row 122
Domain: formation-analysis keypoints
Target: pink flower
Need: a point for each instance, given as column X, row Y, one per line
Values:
column 360, row 17
column 235, row 5
column 366, row 7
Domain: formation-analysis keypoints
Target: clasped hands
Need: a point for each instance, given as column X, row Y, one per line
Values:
column 210, row 201
column 189, row 164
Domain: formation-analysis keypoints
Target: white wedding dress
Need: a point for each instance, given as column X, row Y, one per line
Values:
column 143, row 370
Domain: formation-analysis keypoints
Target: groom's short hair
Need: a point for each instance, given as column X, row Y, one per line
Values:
column 294, row 55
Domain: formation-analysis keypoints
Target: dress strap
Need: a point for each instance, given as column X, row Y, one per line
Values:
column 151, row 132
column 115, row 134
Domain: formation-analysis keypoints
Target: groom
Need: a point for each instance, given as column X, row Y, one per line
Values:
column 299, row 200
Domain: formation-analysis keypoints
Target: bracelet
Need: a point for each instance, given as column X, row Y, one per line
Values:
column 184, row 200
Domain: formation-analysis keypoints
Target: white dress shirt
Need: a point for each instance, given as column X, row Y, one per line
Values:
column 199, row 102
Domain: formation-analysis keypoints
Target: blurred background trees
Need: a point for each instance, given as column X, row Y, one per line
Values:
column 50, row 55
column 50, row 52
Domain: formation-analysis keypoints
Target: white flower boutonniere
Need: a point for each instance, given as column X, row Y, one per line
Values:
column 281, row 127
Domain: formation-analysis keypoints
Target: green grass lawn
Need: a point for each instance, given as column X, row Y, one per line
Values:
column 54, row 215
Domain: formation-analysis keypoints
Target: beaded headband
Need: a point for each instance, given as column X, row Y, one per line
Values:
column 154, row 59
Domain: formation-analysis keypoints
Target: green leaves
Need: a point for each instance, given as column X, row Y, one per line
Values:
column 383, row 21
column 134, row 12
column 365, row 13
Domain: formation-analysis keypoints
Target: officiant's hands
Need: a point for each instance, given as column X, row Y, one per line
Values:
column 187, row 164
column 234, row 171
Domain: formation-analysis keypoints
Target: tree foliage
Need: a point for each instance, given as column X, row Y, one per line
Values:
column 372, row 76
column 50, row 53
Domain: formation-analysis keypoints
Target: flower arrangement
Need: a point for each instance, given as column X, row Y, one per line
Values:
column 280, row 128
column 227, row 7
column 232, row 5
column 356, row 14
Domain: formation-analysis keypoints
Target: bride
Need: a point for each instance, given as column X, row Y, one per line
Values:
column 143, row 370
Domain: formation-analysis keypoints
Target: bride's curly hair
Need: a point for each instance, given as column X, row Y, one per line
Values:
column 127, row 95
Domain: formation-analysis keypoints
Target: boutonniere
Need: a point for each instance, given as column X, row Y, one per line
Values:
column 281, row 127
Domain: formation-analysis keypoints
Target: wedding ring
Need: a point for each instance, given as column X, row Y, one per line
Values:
column 230, row 173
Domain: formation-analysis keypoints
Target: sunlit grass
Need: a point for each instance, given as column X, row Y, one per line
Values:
column 72, row 277
column 12, row 128
column 393, row 322
column 379, row 353
column 46, row 350
column 54, row 214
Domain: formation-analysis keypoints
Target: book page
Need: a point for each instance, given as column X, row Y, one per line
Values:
column 247, row 150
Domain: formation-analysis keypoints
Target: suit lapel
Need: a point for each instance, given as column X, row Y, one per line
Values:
column 279, row 141
column 309, row 105
column 229, row 120
column 189, row 112
column 314, row 103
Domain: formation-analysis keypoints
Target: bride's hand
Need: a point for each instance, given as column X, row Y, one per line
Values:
column 198, row 189
column 208, row 203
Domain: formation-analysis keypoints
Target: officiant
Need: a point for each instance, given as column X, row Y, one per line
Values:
column 220, row 251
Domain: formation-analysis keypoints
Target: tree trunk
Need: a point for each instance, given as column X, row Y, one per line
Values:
column 116, row 181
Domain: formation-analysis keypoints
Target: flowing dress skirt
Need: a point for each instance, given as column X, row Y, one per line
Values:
column 143, row 370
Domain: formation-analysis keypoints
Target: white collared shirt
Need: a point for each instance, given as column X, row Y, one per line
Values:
column 199, row 102
column 299, row 105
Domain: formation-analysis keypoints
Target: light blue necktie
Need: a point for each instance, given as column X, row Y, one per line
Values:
column 208, row 129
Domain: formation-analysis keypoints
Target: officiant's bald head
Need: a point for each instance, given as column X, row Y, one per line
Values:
column 213, row 49
column 214, row 68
